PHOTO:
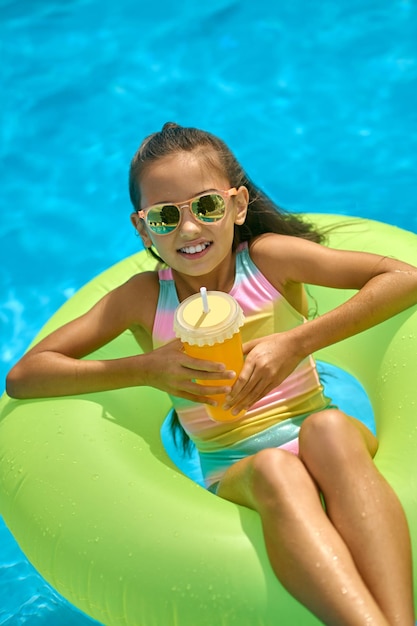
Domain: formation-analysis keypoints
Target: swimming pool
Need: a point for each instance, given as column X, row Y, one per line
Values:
column 317, row 99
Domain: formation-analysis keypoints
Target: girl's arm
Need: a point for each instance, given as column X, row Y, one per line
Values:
column 54, row 367
column 384, row 287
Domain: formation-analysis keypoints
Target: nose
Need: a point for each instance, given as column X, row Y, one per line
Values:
column 188, row 224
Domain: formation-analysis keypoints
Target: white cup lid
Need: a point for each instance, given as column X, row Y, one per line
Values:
column 224, row 318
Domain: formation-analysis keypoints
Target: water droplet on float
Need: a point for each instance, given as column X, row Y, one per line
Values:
column 344, row 591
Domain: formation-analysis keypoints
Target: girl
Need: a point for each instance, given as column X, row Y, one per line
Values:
column 348, row 561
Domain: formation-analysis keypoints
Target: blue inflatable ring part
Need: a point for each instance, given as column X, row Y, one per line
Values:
column 97, row 506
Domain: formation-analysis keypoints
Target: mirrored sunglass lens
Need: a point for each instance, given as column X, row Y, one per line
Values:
column 209, row 208
column 163, row 219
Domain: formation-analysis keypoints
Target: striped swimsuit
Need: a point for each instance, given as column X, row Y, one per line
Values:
column 273, row 421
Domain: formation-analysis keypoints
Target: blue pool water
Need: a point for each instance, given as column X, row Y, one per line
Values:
column 318, row 100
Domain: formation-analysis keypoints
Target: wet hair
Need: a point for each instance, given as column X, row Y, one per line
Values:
column 263, row 215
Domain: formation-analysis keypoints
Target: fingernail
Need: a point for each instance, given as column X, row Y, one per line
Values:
column 226, row 407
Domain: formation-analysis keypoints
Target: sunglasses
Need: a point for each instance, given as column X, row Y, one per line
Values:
column 163, row 219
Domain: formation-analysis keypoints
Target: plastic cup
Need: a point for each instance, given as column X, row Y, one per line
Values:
column 208, row 325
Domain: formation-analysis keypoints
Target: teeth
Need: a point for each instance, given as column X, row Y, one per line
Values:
column 193, row 249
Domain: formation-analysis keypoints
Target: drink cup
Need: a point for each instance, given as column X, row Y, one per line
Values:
column 208, row 325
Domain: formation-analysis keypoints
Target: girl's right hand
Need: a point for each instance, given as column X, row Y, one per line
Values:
column 170, row 369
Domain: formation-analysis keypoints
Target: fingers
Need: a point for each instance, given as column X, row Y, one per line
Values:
column 176, row 353
column 201, row 385
column 242, row 392
column 204, row 394
column 200, row 380
column 252, row 384
column 210, row 368
column 249, row 345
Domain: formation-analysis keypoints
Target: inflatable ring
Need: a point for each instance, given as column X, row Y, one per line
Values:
column 97, row 506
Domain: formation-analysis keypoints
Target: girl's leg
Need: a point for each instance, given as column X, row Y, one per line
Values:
column 306, row 552
column 363, row 508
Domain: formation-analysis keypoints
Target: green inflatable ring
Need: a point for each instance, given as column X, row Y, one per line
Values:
column 103, row 514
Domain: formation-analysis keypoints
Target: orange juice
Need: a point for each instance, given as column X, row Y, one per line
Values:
column 213, row 335
column 230, row 353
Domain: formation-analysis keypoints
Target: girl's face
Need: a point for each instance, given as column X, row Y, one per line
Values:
column 194, row 248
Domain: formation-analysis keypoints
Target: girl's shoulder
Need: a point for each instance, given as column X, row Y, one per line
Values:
column 272, row 243
column 145, row 284
column 139, row 295
column 148, row 278
column 271, row 247
column 266, row 252
column 285, row 249
column 277, row 256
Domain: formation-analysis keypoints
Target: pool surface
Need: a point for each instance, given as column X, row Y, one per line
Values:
column 317, row 99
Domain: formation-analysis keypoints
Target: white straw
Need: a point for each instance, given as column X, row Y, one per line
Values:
column 203, row 292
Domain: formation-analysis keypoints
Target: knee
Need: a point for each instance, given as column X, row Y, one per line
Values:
column 328, row 436
column 323, row 426
column 273, row 472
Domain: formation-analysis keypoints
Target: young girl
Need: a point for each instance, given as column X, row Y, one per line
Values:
column 341, row 546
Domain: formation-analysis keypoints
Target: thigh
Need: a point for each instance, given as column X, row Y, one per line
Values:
column 272, row 475
column 331, row 441
column 235, row 484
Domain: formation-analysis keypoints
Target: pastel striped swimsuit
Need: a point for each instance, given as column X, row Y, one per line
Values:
column 273, row 421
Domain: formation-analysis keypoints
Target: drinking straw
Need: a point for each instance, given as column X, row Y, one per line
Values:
column 203, row 292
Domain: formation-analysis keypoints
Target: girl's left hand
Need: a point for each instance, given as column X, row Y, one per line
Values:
column 269, row 360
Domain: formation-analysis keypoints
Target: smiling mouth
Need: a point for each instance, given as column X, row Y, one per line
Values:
column 200, row 247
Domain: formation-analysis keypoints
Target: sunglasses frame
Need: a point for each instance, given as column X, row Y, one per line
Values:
column 224, row 193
